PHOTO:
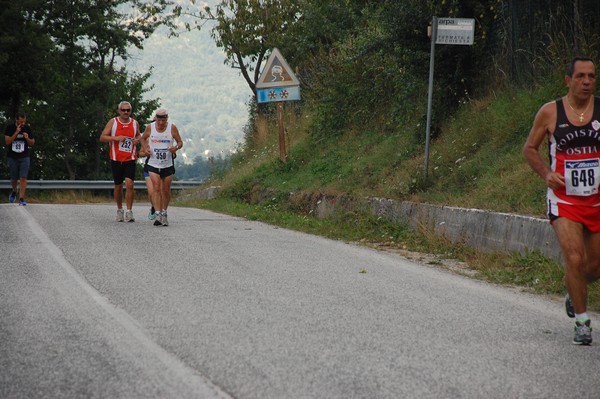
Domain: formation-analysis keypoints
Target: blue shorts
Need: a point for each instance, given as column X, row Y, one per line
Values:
column 18, row 167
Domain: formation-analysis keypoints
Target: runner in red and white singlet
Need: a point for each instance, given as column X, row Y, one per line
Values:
column 575, row 154
column 124, row 150
column 122, row 134
column 572, row 127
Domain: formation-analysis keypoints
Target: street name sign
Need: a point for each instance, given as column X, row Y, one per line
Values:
column 455, row 31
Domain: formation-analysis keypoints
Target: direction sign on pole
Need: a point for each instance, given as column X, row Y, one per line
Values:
column 455, row 31
column 444, row 31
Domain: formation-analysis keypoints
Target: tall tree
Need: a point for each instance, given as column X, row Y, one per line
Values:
column 24, row 50
column 72, row 76
column 92, row 38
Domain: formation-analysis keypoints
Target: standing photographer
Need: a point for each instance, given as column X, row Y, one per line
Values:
column 18, row 137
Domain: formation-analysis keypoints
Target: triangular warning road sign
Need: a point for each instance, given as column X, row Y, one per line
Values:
column 277, row 73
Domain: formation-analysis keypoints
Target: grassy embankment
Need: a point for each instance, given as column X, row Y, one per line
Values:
column 475, row 161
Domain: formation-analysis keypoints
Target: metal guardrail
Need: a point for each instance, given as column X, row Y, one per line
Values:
column 92, row 184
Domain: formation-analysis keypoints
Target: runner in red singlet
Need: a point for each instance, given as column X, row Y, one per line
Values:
column 571, row 125
column 123, row 134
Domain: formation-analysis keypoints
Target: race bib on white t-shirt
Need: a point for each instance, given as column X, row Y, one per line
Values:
column 162, row 157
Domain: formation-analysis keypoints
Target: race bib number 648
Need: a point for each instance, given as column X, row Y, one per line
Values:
column 581, row 177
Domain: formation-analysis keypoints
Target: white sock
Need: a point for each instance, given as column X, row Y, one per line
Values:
column 581, row 316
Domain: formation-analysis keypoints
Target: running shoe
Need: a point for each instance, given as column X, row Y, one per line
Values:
column 129, row 216
column 569, row 306
column 22, row 201
column 152, row 214
column 158, row 221
column 120, row 215
column 164, row 220
column 583, row 332
column 12, row 197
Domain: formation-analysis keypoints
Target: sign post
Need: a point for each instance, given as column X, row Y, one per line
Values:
column 277, row 83
column 444, row 31
column 282, row 151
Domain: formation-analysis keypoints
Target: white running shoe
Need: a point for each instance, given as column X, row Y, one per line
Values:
column 129, row 216
column 120, row 215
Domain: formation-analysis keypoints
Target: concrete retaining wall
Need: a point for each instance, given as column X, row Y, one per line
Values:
column 485, row 231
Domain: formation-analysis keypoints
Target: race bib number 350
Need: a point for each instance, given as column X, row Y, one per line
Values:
column 581, row 177
column 162, row 155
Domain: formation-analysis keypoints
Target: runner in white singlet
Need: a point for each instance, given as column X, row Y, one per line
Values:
column 161, row 140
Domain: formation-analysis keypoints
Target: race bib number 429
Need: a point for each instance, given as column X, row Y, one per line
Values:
column 581, row 177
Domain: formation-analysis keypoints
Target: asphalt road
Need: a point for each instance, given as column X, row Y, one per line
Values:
column 215, row 306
